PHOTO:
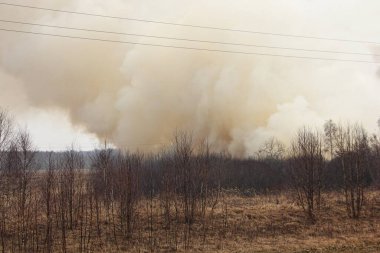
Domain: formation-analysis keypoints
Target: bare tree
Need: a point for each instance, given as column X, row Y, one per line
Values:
column 375, row 159
column 330, row 129
column 169, row 193
column 73, row 164
column 6, row 131
column 20, row 170
column 47, row 190
column 127, row 189
column 272, row 150
column 102, row 165
column 353, row 152
column 306, row 161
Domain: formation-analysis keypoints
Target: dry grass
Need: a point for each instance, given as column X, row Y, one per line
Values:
column 245, row 224
column 274, row 223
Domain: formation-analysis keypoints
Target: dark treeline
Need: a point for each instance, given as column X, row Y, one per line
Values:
column 82, row 202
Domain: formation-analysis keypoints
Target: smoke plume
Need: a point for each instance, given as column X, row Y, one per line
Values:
column 137, row 96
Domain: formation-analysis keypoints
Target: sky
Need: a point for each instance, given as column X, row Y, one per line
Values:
column 80, row 91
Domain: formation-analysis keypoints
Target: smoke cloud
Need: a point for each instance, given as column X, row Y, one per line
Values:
column 137, row 96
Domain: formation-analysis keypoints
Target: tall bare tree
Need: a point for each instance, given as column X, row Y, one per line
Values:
column 47, row 192
column 375, row 159
column 307, row 161
column 353, row 152
column 6, row 132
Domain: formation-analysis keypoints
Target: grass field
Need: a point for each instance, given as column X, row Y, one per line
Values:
column 237, row 223
column 274, row 223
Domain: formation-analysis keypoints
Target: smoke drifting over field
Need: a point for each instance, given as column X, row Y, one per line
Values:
column 137, row 95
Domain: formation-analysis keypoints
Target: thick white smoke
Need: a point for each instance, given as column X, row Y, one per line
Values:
column 135, row 95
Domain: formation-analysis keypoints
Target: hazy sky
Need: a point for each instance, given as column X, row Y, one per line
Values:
column 69, row 90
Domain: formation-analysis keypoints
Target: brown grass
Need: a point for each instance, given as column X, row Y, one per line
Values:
column 272, row 223
column 244, row 224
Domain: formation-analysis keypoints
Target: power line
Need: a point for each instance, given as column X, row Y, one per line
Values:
column 192, row 26
column 184, row 39
column 187, row 48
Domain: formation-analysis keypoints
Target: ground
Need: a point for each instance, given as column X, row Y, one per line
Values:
column 275, row 223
